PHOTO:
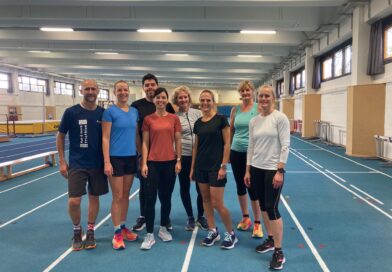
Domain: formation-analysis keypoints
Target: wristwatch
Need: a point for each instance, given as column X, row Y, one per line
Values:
column 224, row 166
column 281, row 170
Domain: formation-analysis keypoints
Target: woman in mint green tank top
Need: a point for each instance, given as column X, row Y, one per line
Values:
column 239, row 124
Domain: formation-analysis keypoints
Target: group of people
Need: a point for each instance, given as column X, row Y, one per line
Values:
column 152, row 141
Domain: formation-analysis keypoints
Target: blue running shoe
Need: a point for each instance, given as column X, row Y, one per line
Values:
column 212, row 237
column 229, row 241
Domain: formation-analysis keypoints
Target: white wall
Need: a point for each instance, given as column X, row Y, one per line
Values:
column 298, row 108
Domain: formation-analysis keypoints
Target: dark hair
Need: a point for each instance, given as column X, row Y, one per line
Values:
column 159, row 91
column 120, row 81
column 149, row 77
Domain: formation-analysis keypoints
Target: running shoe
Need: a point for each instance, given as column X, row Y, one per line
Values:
column 140, row 224
column 118, row 241
column 212, row 237
column 190, row 224
column 128, row 235
column 164, row 234
column 90, row 243
column 257, row 231
column 148, row 241
column 77, row 243
column 245, row 224
column 169, row 225
column 202, row 223
column 229, row 241
column 278, row 260
column 266, row 246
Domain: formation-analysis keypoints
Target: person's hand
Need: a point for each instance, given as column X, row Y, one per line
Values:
column 191, row 175
column 221, row 173
column 144, row 170
column 178, row 167
column 108, row 169
column 247, row 179
column 277, row 182
column 63, row 167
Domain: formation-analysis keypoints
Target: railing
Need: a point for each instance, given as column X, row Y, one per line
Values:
column 382, row 143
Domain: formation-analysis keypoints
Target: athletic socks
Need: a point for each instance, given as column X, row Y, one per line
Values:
column 77, row 227
column 90, row 226
column 117, row 229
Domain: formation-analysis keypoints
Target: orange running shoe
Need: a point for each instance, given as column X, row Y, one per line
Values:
column 257, row 231
column 245, row 224
column 128, row 235
column 118, row 241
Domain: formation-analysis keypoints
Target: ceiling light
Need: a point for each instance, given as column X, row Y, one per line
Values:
column 176, row 55
column 106, row 53
column 39, row 51
column 258, row 31
column 151, row 30
column 57, row 29
column 249, row 56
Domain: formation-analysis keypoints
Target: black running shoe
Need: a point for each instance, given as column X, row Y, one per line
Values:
column 266, row 246
column 140, row 224
column 190, row 224
column 202, row 223
column 77, row 243
column 90, row 243
column 278, row 260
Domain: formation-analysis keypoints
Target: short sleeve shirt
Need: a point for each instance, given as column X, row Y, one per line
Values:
column 210, row 143
column 85, row 136
column 123, row 130
column 162, row 131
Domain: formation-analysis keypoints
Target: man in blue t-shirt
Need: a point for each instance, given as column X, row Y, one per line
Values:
column 82, row 122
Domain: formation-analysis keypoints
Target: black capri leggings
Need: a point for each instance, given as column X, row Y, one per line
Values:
column 238, row 164
column 261, row 181
column 160, row 180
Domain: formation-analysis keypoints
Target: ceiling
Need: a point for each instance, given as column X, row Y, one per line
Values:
column 207, row 31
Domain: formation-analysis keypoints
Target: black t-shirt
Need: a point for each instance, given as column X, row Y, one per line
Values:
column 145, row 107
column 210, row 143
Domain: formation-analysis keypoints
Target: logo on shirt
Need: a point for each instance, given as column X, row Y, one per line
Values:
column 83, row 136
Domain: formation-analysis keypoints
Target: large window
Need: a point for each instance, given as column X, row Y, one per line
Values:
column 279, row 88
column 298, row 79
column 337, row 62
column 388, row 43
column 63, row 88
column 4, row 81
column 103, row 94
column 32, row 84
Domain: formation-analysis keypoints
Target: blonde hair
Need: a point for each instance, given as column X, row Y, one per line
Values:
column 268, row 87
column 177, row 91
column 246, row 84
column 210, row 92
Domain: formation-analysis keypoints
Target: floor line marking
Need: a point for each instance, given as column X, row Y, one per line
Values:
column 320, row 260
column 69, row 250
column 189, row 251
column 351, row 191
column 357, row 163
column 366, row 194
column 27, row 142
column 336, row 172
column 28, row 182
column 27, row 146
column 315, row 163
column 32, row 210
column 336, row 176
column 53, row 147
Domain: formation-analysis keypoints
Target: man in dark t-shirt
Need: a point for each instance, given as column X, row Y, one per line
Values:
column 82, row 123
column 145, row 107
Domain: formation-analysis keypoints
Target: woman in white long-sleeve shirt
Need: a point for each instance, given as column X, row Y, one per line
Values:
column 268, row 149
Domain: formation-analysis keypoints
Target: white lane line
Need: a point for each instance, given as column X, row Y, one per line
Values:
column 306, row 237
column 32, row 210
column 354, row 172
column 27, row 146
column 340, row 156
column 69, row 250
column 305, row 149
column 347, row 189
column 336, row 176
column 314, row 163
column 188, row 255
column 32, row 151
column 31, row 181
column 366, row 194
column 337, row 172
column 27, row 142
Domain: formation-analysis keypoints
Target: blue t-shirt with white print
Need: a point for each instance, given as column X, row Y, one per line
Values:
column 85, row 136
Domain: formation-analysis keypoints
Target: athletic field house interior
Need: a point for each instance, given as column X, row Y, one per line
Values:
column 78, row 193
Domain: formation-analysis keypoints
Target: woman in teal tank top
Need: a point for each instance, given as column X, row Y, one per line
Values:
column 239, row 125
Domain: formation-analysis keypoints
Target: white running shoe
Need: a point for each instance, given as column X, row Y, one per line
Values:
column 148, row 241
column 164, row 234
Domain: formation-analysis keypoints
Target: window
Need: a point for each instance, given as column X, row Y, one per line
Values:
column 279, row 88
column 4, row 81
column 32, row 84
column 63, row 88
column 388, row 43
column 337, row 62
column 298, row 79
column 103, row 94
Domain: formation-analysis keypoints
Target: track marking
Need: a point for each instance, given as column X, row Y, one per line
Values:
column 340, row 156
column 347, row 189
column 315, row 163
column 336, row 176
column 14, row 155
column 188, row 255
column 27, row 142
column 23, row 184
column 32, row 210
column 336, row 172
column 306, row 237
column 27, row 146
column 69, row 250
column 366, row 194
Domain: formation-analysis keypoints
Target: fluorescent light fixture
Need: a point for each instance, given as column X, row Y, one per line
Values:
column 39, row 51
column 249, row 56
column 106, row 53
column 151, row 30
column 57, row 29
column 176, row 55
column 247, row 31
